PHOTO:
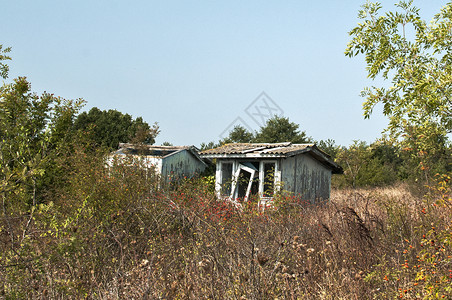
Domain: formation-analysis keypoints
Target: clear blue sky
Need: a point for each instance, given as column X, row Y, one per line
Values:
column 195, row 66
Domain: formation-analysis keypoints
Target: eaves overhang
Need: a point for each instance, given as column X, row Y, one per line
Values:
column 326, row 160
column 269, row 151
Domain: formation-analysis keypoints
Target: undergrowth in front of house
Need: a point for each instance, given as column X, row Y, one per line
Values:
column 117, row 234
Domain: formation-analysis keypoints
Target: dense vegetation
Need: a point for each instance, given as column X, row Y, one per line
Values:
column 72, row 228
column 115, row 234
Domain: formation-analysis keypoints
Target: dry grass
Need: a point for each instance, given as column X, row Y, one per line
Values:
column 184, row 244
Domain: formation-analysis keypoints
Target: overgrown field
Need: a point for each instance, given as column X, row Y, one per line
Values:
column 116, row 234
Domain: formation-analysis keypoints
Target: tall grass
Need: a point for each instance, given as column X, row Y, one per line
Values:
column 108, row 235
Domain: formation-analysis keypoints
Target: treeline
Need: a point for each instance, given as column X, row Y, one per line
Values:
column 40, row 133
column 62, row 212
column 276, row 130
column 384, row 162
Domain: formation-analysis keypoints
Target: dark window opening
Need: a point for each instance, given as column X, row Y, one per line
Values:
column 226, row 175
column 242, row 183
column 255, row 185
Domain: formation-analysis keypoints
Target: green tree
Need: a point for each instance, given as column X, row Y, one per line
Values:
column 280, row 129
column 329, row 146
column 209, row 145
column 33, row 134
column 363, row 167
column 109, row 128
column 416, row 59
column 238, row 134
column 4, row 68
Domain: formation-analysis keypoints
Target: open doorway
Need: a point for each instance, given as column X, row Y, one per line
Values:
column 247, row 180
column 243, row 179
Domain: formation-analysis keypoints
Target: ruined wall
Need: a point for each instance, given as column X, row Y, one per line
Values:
column 306, row 177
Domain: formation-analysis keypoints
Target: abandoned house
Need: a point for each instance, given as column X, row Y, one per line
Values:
column 171, row 162
column 245, row 169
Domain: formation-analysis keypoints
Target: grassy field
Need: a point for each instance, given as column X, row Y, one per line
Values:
column 109, row 237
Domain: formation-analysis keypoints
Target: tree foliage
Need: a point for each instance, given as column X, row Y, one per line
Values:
column 329, row 147
column 33, row 128
column 276, row 130
column 4, row 68
column 208, row 145
column 416, row 58
column 238, row 134
column 365, row 165
column 35, row 134
column 280, row 129
column 109, row 128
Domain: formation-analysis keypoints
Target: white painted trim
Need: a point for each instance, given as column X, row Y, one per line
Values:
column 236, row 169
column 235, row 177
column 218, row 178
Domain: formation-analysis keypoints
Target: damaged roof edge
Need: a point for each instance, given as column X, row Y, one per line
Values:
column 325, row 159
column 268, row 150
column 195, row 152
column 171, row 150
column 256, row 148
column 156, row 147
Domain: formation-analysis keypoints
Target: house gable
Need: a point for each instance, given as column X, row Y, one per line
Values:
column 182, row 163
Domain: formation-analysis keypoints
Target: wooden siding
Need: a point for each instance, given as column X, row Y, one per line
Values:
column 306, row 177
column 181, row 163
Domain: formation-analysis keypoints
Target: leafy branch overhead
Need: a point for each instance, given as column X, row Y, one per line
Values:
column 4, row 68
column 416, row 58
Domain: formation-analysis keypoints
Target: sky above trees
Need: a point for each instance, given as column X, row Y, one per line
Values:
column 196, row 67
